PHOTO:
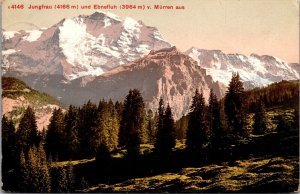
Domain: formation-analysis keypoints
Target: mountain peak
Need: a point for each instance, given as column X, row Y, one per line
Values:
column 255, row 70
column 99, row 15
column 99, row 42
column 172, row 49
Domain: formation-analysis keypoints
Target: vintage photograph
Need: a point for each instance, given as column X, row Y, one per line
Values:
column 140, row 96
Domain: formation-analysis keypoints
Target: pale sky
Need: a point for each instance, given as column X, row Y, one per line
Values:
column 264, row 27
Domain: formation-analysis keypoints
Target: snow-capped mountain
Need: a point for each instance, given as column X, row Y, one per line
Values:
column 102, row 56
column 81, row 46
column 254, row 70
column 166, row 73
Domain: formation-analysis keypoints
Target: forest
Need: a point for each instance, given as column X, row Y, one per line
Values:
column 123, row 140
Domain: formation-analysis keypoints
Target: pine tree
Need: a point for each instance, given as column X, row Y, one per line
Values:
column 56, row 136
column 181, row 126
column 106, row 130
column 260, row 119
column 9, row 149
column 61, row 180
column 35, row 177
column 215, row 120
column 103, row 158
column 197, row 127
column 87, row 122
column 161, row 114
column 234, row 102
column 71, row 129
column 70, row 178
column 132, row 122
column 27, row 133
column 42, row 179
column 119, row 108
column 112, row 126
column 24, row 174
column 166, row 139
column 150, row 127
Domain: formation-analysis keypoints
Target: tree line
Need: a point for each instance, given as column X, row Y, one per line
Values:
column 99, row 130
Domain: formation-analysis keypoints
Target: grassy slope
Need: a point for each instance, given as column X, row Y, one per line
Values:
column 20, row 96
column 252, row 175
column 14, row 88
column 262, row 163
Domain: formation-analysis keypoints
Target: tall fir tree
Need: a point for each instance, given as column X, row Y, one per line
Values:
column 260, row 119
column 166, row 139
column 56, row 136
column 9, row 149
column 181, row 126
column 24, row 174
column 71, row 129
column 151, row 127
column 132, row 122
column 234, row 106
column 43, row 179
column 87, row 122
column 160, row 116
column 35, row 177
column 196, row 135
column 106, row 130
column 215, row 121
column 27, row 134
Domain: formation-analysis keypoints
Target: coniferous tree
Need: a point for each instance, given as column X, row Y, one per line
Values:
column 103, row 158
column 161, row 113
column 132, row 122
column 35, row 177
column 181, row 126
column 215, row 121
column 24, row 174
column 56, row 136
column 60, row 184
column 150, row 128
column 119, row 108
column 106, row 130
column 9, row 149
column 112, row 126
column 166, row 139
column 234, row 106
column 197, row 127
column 27, row 133
column 43, row 180
column 87, row 122
column 260, row 119
column 70, row 178
column 71, row 130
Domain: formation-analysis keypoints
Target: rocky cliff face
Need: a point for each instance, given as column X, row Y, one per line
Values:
column 165, row 73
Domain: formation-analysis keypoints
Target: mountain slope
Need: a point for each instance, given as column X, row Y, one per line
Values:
column 254, row 70
column 166, row 73
column 17, row 96
column 81, row 46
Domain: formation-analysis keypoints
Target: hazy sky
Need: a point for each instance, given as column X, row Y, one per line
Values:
column 233, row 26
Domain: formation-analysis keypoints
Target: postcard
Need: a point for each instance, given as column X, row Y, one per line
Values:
column 155, row 96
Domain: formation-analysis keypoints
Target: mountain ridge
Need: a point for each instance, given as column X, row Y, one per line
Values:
column 17, row 96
